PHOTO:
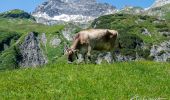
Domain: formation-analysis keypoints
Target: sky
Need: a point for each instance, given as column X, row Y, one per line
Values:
column 30, row 5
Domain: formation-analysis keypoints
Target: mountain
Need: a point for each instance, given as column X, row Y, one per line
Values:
column 159, row 3
column 131, row 10
column 79, row 11
column 162, row 12
column 159, row 9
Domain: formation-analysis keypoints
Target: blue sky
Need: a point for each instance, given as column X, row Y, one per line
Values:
column 29, row 5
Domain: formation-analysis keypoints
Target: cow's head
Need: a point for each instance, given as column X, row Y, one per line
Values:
column 71, row 54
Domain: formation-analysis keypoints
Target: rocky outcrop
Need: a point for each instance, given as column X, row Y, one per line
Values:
column 30, row 52
column 160, row 9
column 131, row 10
column 55, row 42
column 146, row 32
column 67, row 35
column 104, row 57
column 44, row 39
column 161, row 52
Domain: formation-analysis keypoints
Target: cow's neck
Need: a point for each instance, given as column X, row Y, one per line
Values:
column 75, row 43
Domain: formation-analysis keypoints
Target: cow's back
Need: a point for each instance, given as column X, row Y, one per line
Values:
column 99, row 39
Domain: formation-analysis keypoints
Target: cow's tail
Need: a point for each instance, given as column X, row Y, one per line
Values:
column 117, row 42
column 117, row 33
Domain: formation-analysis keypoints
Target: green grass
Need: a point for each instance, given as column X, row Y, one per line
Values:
column 118, row 81
column 25, row 25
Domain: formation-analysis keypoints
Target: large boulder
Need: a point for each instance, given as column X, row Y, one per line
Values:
column 31, row 53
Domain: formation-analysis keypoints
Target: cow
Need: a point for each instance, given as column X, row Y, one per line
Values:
column 91, row 39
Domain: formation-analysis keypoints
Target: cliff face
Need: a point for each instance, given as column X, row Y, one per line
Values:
column 80, row 11
column 31, row 53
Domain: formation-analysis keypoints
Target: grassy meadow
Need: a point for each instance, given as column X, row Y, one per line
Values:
column 118, row 81
column 138, row 80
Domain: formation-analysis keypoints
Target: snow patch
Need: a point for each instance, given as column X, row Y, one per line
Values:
column 65, row 17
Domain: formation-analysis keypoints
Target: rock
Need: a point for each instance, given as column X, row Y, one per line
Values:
column 165, row 33
column 161, row 52
column 44, row 39
column 31, row 53
column 6, row 46
column 104, row 57
column 55, row 42
column 138, row 21
column 67, row 34
column 70, row 30
column 146, row 32
column 108, row 57
column 131, row 10
column 121, row 58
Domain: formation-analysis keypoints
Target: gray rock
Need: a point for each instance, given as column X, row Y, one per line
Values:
column 6, row 46
column 161, row 52
column 146, row 32
column 138, row 21
column 121, row 58
column 55, row 42
column 165, row 33
column 67, row 33
column 104, row 57
column 31, row 53
column 44, row 39
column 132, row 10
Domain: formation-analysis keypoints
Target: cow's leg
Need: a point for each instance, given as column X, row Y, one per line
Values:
column 89, row 52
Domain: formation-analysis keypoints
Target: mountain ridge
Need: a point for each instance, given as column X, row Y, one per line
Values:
column 159, row 3
column 72, row 10
column 83, row 11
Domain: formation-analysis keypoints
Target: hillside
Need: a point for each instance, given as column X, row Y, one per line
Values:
column 138, row 37
column 16, row 13
column 161, row 12
column 137, row 34
column 121, row 81
column 32, row 65
column 13, row 32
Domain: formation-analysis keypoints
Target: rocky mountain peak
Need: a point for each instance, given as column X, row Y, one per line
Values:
column 71, row 10
column 159, row 3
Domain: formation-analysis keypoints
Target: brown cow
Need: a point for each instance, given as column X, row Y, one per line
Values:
column 92, row 39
